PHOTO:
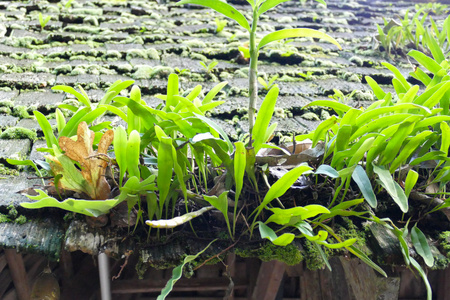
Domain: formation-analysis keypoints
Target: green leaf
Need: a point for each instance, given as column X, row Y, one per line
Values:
column 378, row 124
column 267, row 233
column 363, row 182
column 60, row 120
column 263, row 117
column 165, row 168
column 46, row 129
column 432, row 44
column 392, row 187
column 370, row 115
column 397, row 140
column 132, row 154
column 327, row 170
column 92, row 208
column 284, row 216
column 425, row 61
column 269, row 4
column 397, row 75
column 361, row 255
column 422, row 273
column 282, row 185
column 321, row 130
column 25, row 162
column 359, row 154
column 433, row 155
column 323, row 255
column 82, row 98
column 294, row 33
column 217, row 128
column 120, row 151
column 377, row 90
column 172, row 90
column 239, row 172
column 337, row 106
column 410, row 147
column 177, row 272
column 221, row 203
column 213, row 92
column 72, row 125
column 420, row 243
column 223, row 8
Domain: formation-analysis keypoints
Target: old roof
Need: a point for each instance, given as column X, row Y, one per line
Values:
column 94, row 43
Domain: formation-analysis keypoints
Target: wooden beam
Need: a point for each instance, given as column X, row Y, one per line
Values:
column 310, row 288
column 443, row 286
column 269, row 279
column 18, row 274
column 2, row 262
column 5, row 281
column 231, row 271
column 182, row 285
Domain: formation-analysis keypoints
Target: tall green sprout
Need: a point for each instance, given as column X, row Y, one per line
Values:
column 258, row 7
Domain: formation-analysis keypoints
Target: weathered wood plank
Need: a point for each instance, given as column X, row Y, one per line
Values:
column 5, row 281
column 269, row 279
column 443, row 286
column 310, row 285
column 2, row 262
column 18, row 274
column 40, row 237
column 182, row 285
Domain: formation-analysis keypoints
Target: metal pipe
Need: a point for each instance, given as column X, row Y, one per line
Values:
column 103, row 270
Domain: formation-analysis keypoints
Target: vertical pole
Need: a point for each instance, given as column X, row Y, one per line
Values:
column 104, row 273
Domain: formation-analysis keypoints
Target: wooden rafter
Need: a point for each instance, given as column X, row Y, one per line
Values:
column 18, row 274
column 269, row 279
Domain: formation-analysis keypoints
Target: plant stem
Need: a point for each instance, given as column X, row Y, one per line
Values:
column 252, row 80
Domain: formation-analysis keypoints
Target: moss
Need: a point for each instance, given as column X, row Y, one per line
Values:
column 8, row 171
column 63, row 69
column 78, row 71
column 310, row 116
column 91, row 20
column 4, row 218
column 87, row 11
column 348, row 230
column 444, row 243
column 25, row 42
column 5, row 110
column 364, row 96
column 112, row 55
column 125, row 68
column 147, row 72
column 21, row 220
column 313, row 258
column 289, row 254
column 152, row 53
column 136, row 53
column 12, row 213
column 357, row 61
column 198, row 56
column 194, row 43
column 142, row 72
column 38, row 69
column 15, row 133
column 21, row 111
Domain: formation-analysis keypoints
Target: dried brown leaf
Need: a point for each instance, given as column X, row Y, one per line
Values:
column 92, row 163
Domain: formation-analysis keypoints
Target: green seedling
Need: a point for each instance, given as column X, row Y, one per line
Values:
column 220, row 24
column 43, row 21
column 208, row 68
column 268, row 85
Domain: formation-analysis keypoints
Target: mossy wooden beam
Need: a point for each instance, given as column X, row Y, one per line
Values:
column 35, row 236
